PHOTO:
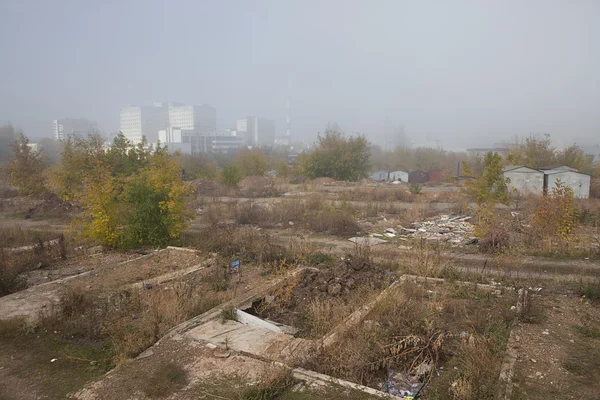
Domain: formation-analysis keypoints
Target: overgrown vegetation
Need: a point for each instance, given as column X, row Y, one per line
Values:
column 129, row 320
column 415, row 326
column 488, row 190
column 25, row 169
column 132, row 195
column 337, row 157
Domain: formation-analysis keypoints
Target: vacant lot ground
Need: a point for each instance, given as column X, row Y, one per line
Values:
column 446, row 341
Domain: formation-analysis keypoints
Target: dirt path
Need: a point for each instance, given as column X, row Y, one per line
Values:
column 522, row 267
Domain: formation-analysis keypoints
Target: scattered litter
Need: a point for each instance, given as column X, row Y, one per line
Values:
column 545, row 332
column 367, row 240
column 211, row 346
column 391, row 230
column 401, row 384
column 53, row 360
column 390, row 235
column 533, row 360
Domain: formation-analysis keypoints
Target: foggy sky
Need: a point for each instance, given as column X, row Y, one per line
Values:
column 466, row 73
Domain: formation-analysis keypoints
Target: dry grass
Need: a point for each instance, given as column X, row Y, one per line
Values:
column 248, row 245
column 164, row 381
column 131, row 320
column 313, row 215
column 451, row 326
column 426, row 258
column 384, row 194
column 271, row 386
column 15, row 236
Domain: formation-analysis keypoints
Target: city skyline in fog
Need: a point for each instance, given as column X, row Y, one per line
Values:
column 459, row 73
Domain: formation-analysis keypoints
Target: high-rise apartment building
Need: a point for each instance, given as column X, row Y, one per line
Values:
column 143, row 121
column 201, row 119
column 67, row 127
column 257, row 131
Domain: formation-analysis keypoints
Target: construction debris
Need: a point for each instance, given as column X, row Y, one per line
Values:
column 455, row 230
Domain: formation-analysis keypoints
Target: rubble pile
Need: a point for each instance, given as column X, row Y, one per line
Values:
column 455, row 230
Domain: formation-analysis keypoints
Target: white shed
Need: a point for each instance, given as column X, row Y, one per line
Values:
column 525, row 180
column 380, row 175
column 577, row 181
column 401, row 176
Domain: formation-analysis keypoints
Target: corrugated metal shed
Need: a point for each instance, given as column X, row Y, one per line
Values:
column 401, row 176
column 577, row 181
column 525, row 180
column 417, row 176
column 380, row 175
column 435, row 175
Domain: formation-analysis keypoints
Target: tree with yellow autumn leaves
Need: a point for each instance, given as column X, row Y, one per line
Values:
column 132, row 196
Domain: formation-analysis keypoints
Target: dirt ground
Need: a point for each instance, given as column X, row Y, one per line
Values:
column 559, row 356
column 558, row 351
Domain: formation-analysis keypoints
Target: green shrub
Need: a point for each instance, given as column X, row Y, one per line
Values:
column 231, row 174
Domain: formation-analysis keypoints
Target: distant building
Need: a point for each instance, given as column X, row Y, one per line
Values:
column 400, row 176
column 201, row 119
column 392, row 137
column 380, row 175
column 68, row 127
column 501, row 148
column 35, row 147
column 417, row 176
column 257, row 131
column 435, row 175
column 191, row 142
column 577, row 181
column 524, row 180
column 143, row 121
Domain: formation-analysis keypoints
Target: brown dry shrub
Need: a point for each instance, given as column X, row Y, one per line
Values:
column 381, row 194
column 333, row 221
column 11, row 278
column 595, row 188
column 216, row 213
column 479, row 369
column 589, row 212
column 425, row 258
column 245, row 243
column 326, row 218
column 258, row 186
